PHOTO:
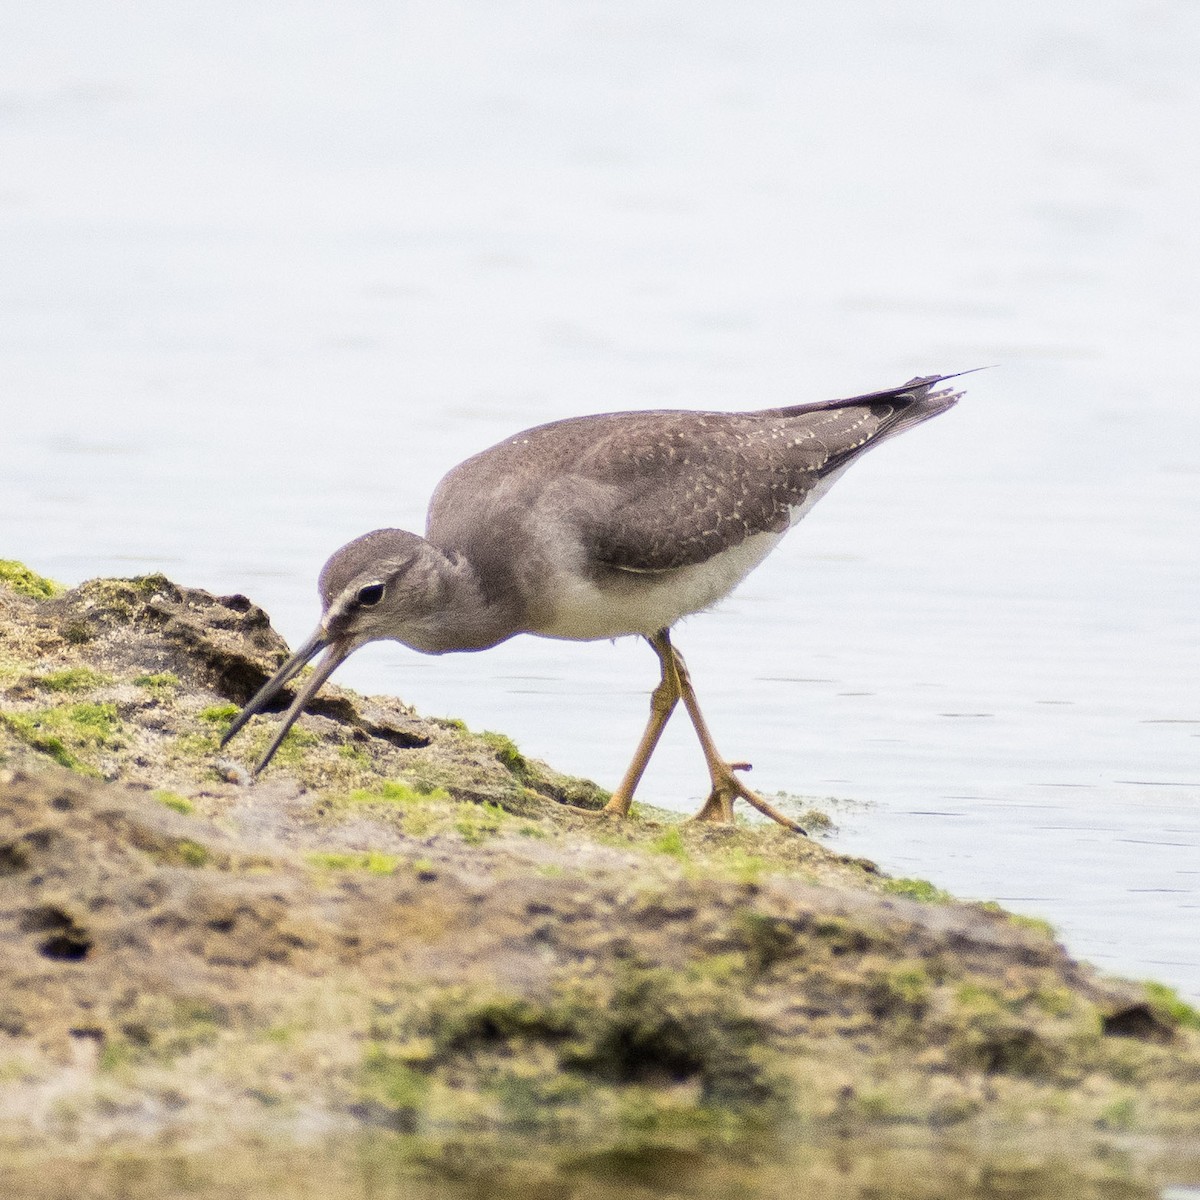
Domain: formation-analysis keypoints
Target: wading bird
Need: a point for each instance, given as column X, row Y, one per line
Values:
column 598, row 527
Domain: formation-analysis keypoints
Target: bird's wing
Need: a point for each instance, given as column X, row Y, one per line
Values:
column 655, row 491
column 690, row 485
column 687, row 486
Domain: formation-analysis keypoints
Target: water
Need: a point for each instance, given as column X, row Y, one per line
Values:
column 267, row 272
column 372, row 1166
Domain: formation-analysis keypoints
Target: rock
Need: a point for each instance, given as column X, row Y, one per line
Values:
column 402, row 927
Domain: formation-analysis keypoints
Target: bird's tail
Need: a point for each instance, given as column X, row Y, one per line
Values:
column 917, row 401
column 898, row 408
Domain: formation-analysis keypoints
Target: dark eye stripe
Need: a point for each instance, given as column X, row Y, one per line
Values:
column 371, row 594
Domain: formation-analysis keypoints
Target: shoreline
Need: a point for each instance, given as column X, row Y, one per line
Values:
column 401, row 930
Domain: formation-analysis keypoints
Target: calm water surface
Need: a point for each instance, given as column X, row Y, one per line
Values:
column 382, row 1167
column 264, row 278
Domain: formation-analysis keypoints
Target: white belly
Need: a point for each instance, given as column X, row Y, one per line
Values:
column 645, row 602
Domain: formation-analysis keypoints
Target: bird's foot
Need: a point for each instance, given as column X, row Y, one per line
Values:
column 608, row 810
column 618, row 806
column 727, row 787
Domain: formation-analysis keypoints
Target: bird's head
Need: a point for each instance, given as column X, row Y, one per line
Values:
column 385, row 584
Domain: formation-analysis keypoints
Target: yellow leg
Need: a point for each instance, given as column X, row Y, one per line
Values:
column 662, row 705
column 676, row 685
column 726, row 787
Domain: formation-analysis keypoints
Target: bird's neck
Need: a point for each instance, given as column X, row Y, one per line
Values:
column 465, row 616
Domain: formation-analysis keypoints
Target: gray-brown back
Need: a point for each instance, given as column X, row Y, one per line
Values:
column 654, row 491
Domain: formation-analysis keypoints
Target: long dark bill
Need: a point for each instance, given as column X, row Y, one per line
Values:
column 337, row 654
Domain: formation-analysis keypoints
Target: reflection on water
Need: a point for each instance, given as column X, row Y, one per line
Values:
column 265, row 281
column 378, row 1167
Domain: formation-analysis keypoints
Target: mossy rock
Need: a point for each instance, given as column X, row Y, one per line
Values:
column 20, row 579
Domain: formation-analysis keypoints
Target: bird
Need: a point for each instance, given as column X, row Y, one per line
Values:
column 598, row 527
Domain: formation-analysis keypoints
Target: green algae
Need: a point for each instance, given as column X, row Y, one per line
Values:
column 291, row 752
column 1038, row 925
column 399, row 792
column 917, row 889
column 72, row 679
column 475, row 823
column 159, row 683
column 174, row 801
column 194, row 745
column 670, row 843
column 189, row 853
column 423, row 809
column 17, row 577
column 218, row 714
column 65, row 733
column 1171, row 1006
column 743, row 866
column 905, row 987
column 374, row 862
column 508, row 755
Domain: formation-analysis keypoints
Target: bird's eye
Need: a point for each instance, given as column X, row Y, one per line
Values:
column 371, row 594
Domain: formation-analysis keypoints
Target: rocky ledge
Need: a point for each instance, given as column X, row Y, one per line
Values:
column 403, row 928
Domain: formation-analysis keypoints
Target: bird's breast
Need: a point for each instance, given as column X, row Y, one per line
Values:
column 615, row 603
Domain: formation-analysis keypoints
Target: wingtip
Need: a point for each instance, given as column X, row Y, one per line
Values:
column 968, row 371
